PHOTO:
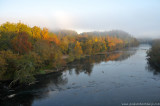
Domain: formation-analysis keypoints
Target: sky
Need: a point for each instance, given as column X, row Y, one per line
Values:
column 141, row 18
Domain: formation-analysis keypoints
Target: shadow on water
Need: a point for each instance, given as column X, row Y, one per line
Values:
column 54, row 82
column 152, row 68
column 26, row 95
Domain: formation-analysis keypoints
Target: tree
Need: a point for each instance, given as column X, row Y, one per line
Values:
column 36, row 32
column 36, row 59
column 44, row 33
column 24, row 71
column 3, row 64
column 48, row 52
column 42, row 48
column 21, row 43
column 103, row 46
column 8, row 64
column 20, row 27
column 53, row 38
column 87, row 47
column 8, row 27
column 78, row 50
column 64, row 45
column 153, row 55
column 96, row 47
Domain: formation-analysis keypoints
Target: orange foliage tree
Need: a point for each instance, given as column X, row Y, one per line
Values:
column 53, row 38
column 44, row 33
column 21, row 43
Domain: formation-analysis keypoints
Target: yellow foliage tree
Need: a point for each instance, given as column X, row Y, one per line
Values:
column 78, row 50
column 36, row 32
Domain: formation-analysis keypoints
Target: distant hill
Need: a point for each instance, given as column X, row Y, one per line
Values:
column 145, row 40
column 117, row 33
column 65, row 32
column 126, row 37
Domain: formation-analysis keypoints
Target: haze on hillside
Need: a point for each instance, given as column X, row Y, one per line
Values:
column 138, row 17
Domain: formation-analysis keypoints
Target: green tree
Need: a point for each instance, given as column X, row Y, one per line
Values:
column 96, row 47
column 87, row 47
column 25, row 71
column 8, row 64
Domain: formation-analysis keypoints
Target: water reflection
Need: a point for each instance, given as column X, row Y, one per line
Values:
column 152, row 68
column 53, row 83
column 86, row 64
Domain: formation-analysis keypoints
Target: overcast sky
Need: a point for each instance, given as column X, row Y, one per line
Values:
column 138, row 17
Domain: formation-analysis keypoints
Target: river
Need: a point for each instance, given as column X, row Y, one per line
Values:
column 102, row 80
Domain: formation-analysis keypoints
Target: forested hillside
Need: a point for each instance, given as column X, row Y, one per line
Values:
column 126, row 37
column 26, row 51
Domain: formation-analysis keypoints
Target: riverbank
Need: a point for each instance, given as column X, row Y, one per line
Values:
column 112, row 76
column 60, row 69
column 7, row 92
column 154, row 54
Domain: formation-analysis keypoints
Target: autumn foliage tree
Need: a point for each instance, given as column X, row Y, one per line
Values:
column 64, row 44
column 36, row 32
column 87, row 47
column 21, row 43
column 44, row 33
column 78, row 50
column 53, row 38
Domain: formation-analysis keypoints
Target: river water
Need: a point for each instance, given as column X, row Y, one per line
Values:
column 102, row 80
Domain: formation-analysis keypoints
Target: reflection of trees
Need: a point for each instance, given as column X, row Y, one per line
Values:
column 51, row 82
column 152, row 68
column 114, row 56
column 125, row 55
column 86, row 64
column 26, row 95
column 82, row 65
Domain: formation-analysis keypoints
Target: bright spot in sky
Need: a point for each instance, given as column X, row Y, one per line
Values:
column 63, row 19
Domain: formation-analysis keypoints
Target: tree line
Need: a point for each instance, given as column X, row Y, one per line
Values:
column 153, row 55
column 26, row 51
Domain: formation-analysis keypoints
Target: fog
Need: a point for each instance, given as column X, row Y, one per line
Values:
column 141, row 18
